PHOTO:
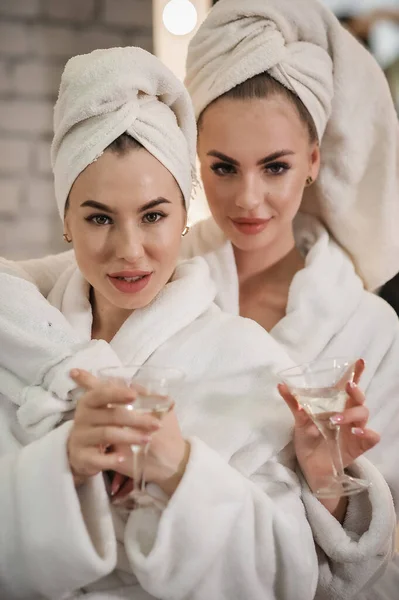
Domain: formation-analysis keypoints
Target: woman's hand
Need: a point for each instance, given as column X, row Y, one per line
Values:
column 166, row 458
column 311, row 448
column 102, row 422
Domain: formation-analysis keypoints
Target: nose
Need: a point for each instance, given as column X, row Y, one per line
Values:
column 250, row 194
column 129, row 244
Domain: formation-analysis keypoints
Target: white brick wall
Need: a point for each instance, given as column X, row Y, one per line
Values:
column 37, row 37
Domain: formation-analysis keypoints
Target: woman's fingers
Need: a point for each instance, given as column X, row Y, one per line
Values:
column 109, row 436
column 367, row 438
column 121, row 416
column 300, row 416
column 356, row 396
column 91, row 462
column 360, row 365
column 286, row 395
column 123, row 490
column 84, row 379
column 356, row 416
column 107, row 395
column 102, row 393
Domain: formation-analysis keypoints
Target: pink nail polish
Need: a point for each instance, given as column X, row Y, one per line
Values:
column 336, row 419
column 357, row 431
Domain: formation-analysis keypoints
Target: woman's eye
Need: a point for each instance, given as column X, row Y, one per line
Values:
column 153, row 217
column 222, row 169
column 99, row 219
column 277, row 168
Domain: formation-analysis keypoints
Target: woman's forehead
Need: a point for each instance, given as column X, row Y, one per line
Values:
column 257, row 125
column 125, row 180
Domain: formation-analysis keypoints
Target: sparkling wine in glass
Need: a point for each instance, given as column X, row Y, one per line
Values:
column 154, row 387
column 319, row 388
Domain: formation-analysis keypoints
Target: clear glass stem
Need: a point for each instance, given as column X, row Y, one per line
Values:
column 137, row 468
column 332, row 438
column 145, row 451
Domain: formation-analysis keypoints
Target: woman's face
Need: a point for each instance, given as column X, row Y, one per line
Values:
column 125, row 218
column 255, row 158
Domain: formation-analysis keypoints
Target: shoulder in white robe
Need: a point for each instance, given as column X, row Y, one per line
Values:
column 235, row 527
column 329, row 313
column 361, row 540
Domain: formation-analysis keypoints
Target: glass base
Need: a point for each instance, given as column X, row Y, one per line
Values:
column 141, row 499
column 335, row 487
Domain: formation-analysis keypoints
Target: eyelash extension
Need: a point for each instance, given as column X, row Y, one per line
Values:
column 91, row 219
column 278, row 165
column 221, row 165
column 230, row 169
column 159, row 214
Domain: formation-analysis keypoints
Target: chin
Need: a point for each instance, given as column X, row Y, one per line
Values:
column 132, row 302
column 251, row 243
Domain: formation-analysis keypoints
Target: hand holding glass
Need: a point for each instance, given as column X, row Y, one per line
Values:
column 319, row 387
column 154, row 387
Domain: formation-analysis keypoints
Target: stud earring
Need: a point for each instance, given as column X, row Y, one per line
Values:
column 67, row 238
column 185, row 231
column 309, row 180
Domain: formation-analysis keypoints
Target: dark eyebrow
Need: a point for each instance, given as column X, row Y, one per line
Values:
column 262, row 161
column 98, row 205
column 223, row 157
column 105, row 208
column 274, row 156
column 154, row 204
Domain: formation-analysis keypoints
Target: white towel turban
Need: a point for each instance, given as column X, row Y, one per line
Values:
column 302, row 45
column 108, row 92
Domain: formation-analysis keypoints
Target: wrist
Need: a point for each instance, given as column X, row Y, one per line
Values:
column 170, row 483
column 337, row 507
column 78, row 478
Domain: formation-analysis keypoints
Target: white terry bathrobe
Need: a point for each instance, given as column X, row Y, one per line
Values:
column 235, row 527
column 215, row 557
column 329, row 313
column 302, row 45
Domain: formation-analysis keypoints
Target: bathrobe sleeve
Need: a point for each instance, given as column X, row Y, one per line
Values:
column 42, row 272
column 253, row 539
column 38, row 344
column 225, row 537
column 356, row 554
column 50, row 543
column 382, row 396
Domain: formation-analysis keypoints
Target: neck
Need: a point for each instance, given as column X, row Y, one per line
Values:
column 107, row 319
column 281, row 261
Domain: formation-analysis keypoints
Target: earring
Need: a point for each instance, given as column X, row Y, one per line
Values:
column 67, row 239
column 185, row 231
column 309, row 180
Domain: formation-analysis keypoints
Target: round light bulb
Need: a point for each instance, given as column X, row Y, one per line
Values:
column 179, row 17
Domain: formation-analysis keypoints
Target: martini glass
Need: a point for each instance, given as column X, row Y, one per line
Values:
column 154, row 387
column 319, row 387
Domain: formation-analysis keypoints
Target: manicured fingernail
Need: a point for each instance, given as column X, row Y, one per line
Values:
column 357, row 431
column 352, row 384
column 74, row 372
column 336, row 419
column 146, row 439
